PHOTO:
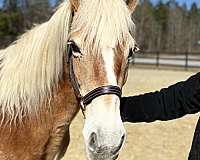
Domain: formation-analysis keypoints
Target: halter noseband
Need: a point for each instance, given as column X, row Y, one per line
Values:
column 87, row 99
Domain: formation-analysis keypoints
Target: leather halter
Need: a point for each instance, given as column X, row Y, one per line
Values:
column 89, row 97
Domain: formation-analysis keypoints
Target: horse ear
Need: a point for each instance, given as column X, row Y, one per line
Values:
column 75, row 4
column 132, row 5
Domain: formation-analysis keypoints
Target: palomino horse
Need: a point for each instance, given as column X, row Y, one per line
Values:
column 37, row 94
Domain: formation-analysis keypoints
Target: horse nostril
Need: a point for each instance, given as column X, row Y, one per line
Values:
column 116, row 150
column 93, row 144
column 96, row 148
column 122, row 139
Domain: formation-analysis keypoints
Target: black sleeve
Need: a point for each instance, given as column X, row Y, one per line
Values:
column 167, row 104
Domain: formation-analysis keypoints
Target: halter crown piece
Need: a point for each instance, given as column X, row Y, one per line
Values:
column 89, row 97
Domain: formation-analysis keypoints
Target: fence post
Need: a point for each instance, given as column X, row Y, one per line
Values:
column 186, row 61
column 157, row 58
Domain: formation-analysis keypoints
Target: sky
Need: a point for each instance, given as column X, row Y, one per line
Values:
column 188, row 2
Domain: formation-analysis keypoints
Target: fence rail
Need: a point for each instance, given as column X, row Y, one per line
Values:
column 183, row 60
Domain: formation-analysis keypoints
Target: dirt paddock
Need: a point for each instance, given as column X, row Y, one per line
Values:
column 156, row 141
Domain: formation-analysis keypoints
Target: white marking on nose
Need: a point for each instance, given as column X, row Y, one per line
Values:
column 108, row 57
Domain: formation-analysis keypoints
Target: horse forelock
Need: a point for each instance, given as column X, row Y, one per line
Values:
column 103, row 23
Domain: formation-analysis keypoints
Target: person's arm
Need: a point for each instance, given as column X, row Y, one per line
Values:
column 167, row 104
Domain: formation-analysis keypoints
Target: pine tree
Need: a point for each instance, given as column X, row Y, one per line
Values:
column 161, row 14
column 144, row 24
column 37, row 11
column 10, row 5
column 39, row 3
column 194, row 28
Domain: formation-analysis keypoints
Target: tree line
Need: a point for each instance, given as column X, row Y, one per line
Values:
column 17, row 16
column 168, row 27
column 164, row 27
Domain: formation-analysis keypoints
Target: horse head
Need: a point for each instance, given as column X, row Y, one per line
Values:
column 100, row 42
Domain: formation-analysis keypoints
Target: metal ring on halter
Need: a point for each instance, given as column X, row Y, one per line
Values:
column 87, row 99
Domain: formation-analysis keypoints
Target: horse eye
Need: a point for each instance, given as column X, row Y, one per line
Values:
column 132, row 51
column 136, row 48
column 74, row 47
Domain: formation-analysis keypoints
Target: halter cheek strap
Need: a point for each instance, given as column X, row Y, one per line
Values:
column 89, row 97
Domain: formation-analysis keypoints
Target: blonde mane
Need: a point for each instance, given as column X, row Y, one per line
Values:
column 31, row 67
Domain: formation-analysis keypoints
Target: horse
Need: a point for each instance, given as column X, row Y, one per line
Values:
column 77, row 60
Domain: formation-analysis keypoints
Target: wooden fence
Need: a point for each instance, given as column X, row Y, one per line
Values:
column 183, row 60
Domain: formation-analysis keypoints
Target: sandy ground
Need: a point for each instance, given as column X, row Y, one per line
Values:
column 156, row 141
